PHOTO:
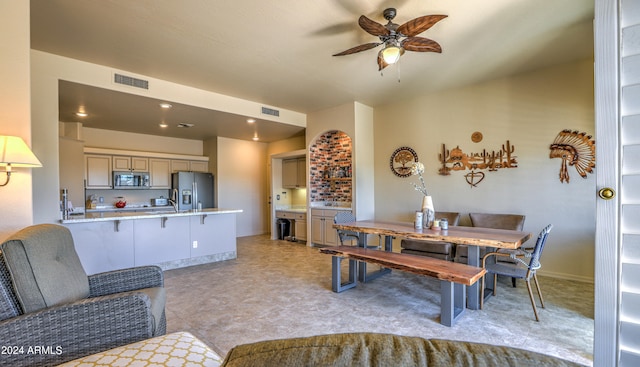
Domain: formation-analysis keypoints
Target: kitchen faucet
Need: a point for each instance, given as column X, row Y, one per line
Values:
column 174, row 197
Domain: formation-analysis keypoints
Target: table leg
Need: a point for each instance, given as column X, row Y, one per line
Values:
column 473, row 291
column 336, row 274
column 388, row 243
column 363, row 276
column 452, row 299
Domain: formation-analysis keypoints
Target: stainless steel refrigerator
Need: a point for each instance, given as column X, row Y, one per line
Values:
column 192, row 190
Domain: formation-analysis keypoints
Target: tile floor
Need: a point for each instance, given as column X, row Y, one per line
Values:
column 279, row 289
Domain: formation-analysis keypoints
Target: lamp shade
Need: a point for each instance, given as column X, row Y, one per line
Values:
column 391, row 54
column 15, row 152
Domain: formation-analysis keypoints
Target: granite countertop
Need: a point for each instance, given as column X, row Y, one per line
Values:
column 111, row 208
column 332, row 205
column 112, row 216
column 293, row 210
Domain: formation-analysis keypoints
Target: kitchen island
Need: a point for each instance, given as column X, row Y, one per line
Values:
column 117, row 240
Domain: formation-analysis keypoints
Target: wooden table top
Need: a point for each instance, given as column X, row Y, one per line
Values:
column 462, row 235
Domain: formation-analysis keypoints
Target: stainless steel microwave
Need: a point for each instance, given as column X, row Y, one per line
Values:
column 130, row 180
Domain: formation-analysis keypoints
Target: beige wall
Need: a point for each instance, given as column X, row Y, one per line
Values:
column 98, row 138
column 529, row 110
column 15, row 114
column 242, row 183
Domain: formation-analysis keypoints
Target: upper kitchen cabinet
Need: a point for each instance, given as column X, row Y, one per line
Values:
column 135, row 164
column 199, row 166
column 97, row 171
column 160, row 173
column 294, row 172
column 178, row 165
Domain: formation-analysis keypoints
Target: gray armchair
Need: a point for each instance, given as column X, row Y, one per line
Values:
column 48, row 301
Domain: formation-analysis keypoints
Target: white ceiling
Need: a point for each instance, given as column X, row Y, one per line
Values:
column 278, row 53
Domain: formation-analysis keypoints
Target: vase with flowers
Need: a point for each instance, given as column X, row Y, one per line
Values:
column 428, row 213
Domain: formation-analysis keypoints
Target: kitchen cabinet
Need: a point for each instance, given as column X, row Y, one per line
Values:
column 300, row 226
column 159, row 240
column 104, row 246
column 322, row 231
column 135, row 164
column 294, row 172
column 199, row 166
column 212, row 234
column 298, row 223
column 98, row 171
column 110, row 242
column 159, row 173
column 178, row 165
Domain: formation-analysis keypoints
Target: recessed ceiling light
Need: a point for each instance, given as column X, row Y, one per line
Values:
column 82, row 114
column 251, row 121
column 185, row 124
column 163, row 124
column 255, row 138
column 165, row 105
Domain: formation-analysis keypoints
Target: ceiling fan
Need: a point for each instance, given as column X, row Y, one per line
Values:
column 397, row 38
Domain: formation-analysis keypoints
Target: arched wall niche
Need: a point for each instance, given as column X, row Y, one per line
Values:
column 330, row 168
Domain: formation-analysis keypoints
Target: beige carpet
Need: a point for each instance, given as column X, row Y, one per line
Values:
column 280, row 289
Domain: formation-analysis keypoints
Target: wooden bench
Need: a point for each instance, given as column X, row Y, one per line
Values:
column 454, row 276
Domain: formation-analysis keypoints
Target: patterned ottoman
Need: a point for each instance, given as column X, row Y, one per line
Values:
column 177, row 349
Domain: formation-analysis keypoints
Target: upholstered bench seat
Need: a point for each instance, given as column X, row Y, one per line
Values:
column 176, row 349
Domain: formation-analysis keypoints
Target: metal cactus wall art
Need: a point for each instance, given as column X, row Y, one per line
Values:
column 457, row 160
column 575, row 149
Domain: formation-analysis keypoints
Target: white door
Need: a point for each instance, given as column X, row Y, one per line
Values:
column 617, row 270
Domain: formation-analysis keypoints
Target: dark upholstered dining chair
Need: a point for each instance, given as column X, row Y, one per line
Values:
column 439, row 250
column 525, row 267
column 47, row 299
column 489, row 220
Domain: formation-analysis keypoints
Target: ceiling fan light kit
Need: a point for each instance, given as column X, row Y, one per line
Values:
column 396, row 38
column 390, row 53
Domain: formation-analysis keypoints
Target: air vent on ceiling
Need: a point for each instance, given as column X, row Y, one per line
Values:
column 270, row 111
column 185, row 124
column 131, row 81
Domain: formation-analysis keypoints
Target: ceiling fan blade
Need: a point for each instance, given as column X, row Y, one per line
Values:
column 364, row 47
column 419, row 25
column 420, row 44
column 372, row 27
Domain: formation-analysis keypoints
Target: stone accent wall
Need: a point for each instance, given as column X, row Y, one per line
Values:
column 330, row 156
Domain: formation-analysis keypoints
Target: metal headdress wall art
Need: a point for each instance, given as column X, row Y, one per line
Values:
column 575, row 149
column 457, row 160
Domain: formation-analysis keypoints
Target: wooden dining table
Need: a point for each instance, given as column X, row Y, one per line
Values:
column 474, row 237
